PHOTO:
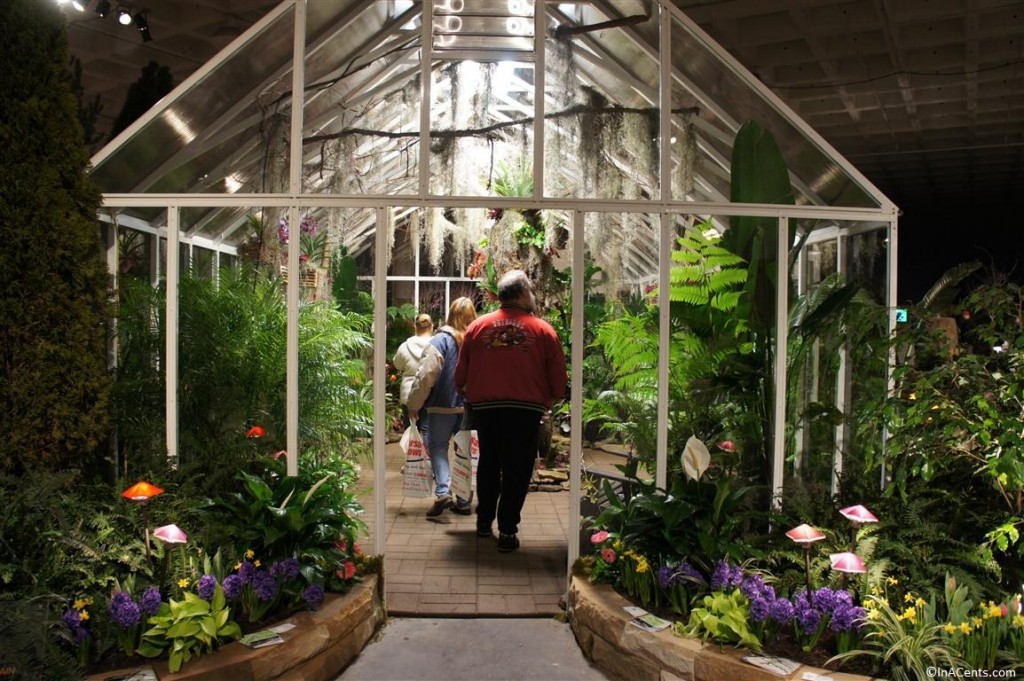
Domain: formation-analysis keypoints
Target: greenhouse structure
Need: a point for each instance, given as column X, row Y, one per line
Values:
column 423, row 146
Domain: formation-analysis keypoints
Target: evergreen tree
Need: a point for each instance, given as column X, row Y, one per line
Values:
column 54, row 382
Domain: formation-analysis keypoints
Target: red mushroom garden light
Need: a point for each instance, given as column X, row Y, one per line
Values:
column 142, row 492
column 806, row 535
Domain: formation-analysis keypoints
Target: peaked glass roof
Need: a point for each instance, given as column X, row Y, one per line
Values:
column 225, row 131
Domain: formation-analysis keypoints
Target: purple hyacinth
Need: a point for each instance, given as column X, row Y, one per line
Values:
column 847, row 617
column 808, row 617
column 282, row 231
column 824, row 600
column 72, row 620
column 232, row 587
column 149, row 602
column 682, row 574
column 754, row 587
column 246, row 571
column 123, row 610
column 265, row 586
column 286, row 569
column 207, row 587
column 313, row 595
column 782, row 611
column 760, row 609
column 725, row 575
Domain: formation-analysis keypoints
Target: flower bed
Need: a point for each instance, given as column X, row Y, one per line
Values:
column 601, row 626
column 322, row 644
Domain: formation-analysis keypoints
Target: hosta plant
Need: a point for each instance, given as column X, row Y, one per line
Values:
column 188, row 628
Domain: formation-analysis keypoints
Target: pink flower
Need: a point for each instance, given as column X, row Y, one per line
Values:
column 278, row 454
column 727, row 446
column 608, row 555
column 342, row 546
column 357, row 549
column 350, row 569
column 599, row 537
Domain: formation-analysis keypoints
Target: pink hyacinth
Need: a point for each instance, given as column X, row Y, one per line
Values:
column 599, row 537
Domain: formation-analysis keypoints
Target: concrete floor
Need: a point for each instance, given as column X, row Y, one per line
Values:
column 430, row 649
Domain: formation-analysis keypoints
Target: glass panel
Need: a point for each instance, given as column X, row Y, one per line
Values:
column 362, row 114
column 336, row 356
column 726, row 102
column 482, row 129
column 140, row 387
column 837, row 351
column 620, row 358
column 603, row 118
column 226, row 133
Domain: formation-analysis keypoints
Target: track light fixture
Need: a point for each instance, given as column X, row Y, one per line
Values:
column 142, row 24
column 103, row 7
column 79, row 4
column 124, row 17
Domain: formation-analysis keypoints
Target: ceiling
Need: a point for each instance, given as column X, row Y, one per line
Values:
column 925, row 97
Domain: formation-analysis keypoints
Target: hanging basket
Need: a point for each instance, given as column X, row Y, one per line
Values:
column 308, row 277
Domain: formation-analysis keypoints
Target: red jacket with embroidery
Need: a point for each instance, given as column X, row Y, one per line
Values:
column 511, row 358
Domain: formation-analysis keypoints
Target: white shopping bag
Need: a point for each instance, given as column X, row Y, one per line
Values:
column 417, row 481
column 467, row 455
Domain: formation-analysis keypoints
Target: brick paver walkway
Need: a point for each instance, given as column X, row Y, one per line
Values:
column 440, row 567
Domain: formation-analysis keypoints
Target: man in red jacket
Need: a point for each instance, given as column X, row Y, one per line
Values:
column 511, row 367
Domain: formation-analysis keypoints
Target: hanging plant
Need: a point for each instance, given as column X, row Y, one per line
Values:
column 684, row 152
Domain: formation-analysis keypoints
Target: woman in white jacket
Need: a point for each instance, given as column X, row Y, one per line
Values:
column 408, row 357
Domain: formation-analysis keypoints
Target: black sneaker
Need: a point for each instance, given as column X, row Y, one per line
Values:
column 507, row 543
column 484, row 531
column 439, row 507
column 461, row 507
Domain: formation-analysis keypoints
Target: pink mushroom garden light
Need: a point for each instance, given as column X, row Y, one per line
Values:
column 806, row 535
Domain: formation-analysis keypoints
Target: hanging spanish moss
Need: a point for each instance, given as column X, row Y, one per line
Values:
column 685, row 154
column 415, row 232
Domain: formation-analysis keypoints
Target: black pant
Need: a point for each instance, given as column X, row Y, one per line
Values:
column 508, row 452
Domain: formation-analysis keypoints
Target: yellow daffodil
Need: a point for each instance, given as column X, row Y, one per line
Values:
column 874, row 615
column 965, row 628
column 949, row 628
column 1018, row 621
column 250, row 553
column 978, row 622
column 84, row 615
column 919, row 602
column 256, row 563
column 238, row 566
column 995, row 611
column 876, row 591
column 617, row 545
column 910, row 614
column 641, row 564
column 82, row 603
column 884, row 601
column 182, row 583
column 913, row 396
column 892, row 580
column 908, row 597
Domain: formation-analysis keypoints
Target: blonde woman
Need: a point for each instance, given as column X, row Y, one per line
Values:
column 433, row 393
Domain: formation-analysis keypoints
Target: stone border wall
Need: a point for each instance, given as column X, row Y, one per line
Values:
column 320, row 646
column 628, row 653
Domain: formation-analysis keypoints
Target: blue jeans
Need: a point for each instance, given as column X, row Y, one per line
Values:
column 437, row 431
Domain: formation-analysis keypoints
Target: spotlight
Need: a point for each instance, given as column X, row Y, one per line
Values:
column 124, row 17
column 79, row 4
column 143, row 25
column 103, row 7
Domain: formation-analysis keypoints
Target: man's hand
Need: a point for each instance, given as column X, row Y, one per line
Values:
column 414, row 414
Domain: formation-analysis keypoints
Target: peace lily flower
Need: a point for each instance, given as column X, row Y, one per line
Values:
column 695, row 458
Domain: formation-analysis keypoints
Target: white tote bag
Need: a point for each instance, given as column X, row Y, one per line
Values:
column 417, row 481
column 467, row 454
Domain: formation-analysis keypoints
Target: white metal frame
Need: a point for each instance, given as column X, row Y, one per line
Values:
column 666, row 207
